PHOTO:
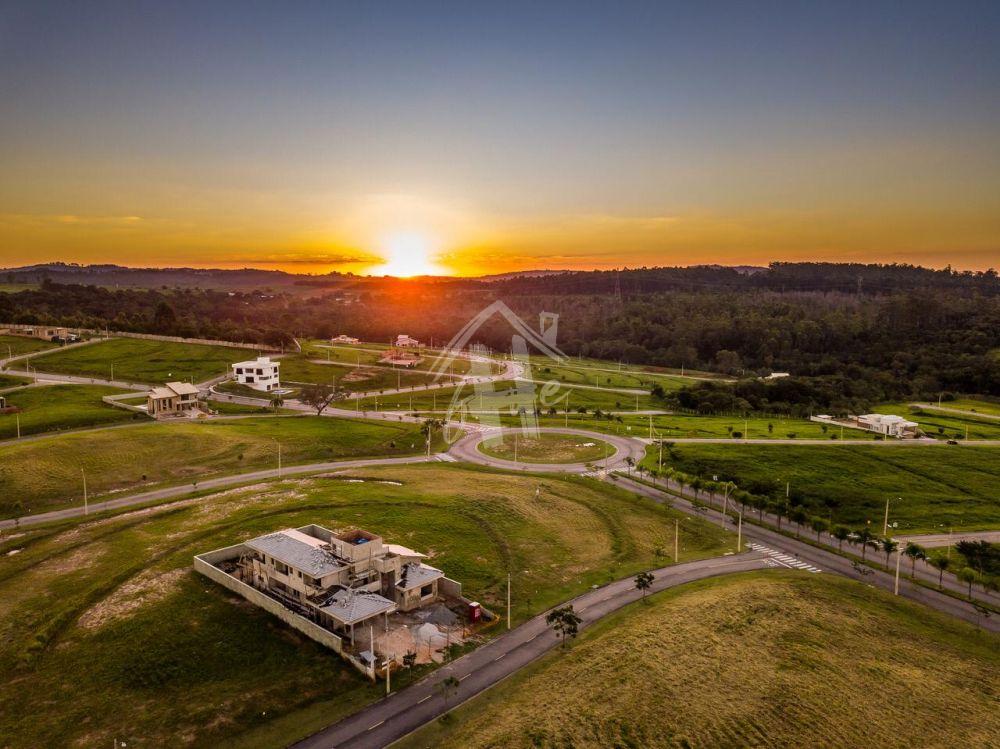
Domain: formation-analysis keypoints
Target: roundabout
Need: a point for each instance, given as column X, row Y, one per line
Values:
column 553, row 450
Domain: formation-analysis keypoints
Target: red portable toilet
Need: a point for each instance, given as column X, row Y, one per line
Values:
column 475, row 612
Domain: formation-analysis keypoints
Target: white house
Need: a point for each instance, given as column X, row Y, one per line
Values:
column 777, row 375
column 344, row 339
column 404, row 341
column 888, row 425
column 260, row 373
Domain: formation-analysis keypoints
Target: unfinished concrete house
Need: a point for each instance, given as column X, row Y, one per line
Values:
column 332, row 586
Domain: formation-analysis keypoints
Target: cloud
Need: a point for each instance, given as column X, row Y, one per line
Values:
column 36, row 220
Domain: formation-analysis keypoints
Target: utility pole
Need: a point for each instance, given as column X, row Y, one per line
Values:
column 659, row 464
column 388, row 671
column 17, row 419
column 677, row 540
column 86, row 508
column 885, row 524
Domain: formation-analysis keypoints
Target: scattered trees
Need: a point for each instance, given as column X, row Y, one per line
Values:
column 643, row 582
column 565, row 621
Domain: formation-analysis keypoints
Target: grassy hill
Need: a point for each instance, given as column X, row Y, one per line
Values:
column 138, row 360
column 44, row 474
column 52, row 408
column 762, row 659
column 931, row 487
column 181, row 662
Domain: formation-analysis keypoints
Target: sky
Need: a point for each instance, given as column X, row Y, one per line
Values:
column 471, row 138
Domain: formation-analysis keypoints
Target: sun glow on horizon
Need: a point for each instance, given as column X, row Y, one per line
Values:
column 408, row 254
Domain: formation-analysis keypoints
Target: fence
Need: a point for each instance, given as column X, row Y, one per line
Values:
column 205, row 564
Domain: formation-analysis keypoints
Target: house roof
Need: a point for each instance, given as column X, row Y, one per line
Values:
column 402, row 551
column 350, row 607
column 415, row 574
column 183, row 388
column 289, row 548
column 173, row 389
column 260, row 361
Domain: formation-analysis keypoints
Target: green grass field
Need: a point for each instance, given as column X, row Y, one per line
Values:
column 761, row 659
column 44, row 474
column 171, row 659
column 138, row 360
column 301, row 368
column 52, row 408
column 365, row 354
column 974, row 405
column 15, row 345
column 547, row 448
column 606, row 375
column 9, row 381
column 931, row 487
column 558, row 397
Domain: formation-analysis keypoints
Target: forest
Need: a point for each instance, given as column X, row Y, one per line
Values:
column 849, row 334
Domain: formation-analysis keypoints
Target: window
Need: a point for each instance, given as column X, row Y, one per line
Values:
column 279, row 567
column 426, row 590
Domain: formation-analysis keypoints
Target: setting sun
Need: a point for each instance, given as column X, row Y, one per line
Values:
column 407, row 254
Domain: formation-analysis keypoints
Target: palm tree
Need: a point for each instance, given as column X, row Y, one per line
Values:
column 841, row 533
column 942, row 564
column 819, row 525
column 630, row 462
column 798, row 516
column 888, row 546
column 865, row 537
column 967, row 575
column 277, row 401
column 914, row 552
column 759, row 504
column 696, row 486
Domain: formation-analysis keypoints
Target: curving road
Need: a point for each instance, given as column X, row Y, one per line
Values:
column 467, row 449
column 393, row 717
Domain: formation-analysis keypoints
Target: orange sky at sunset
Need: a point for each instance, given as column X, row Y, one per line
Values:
column 487, row 140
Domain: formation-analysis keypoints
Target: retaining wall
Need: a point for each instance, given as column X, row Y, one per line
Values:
column 205, row 564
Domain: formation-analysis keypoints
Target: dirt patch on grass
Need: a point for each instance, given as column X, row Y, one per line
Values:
column 146, row 587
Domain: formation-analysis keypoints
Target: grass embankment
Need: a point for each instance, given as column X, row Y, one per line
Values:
column 547, row 448
column 760, row 659
column 138, row 360
column 930, row 487
column 15, row 345
column 174, row 660
column 51, row 408
column 974, row 405
column 44, row 474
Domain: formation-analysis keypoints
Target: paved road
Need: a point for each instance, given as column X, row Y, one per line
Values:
column 213, row 483
column 933, row 540
column 833, row 562
column 393, row 717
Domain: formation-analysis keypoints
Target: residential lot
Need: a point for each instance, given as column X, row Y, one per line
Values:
column 51, row 408
column 139, row 360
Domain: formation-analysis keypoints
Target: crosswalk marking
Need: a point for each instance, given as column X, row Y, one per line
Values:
column 774, row 558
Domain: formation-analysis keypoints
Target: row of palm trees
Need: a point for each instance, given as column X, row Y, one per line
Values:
column 782, row 511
